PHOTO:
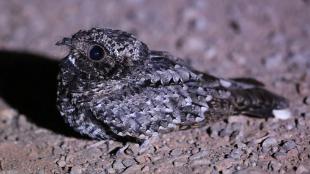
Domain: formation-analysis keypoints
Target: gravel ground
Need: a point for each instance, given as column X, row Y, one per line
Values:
column 267, row 39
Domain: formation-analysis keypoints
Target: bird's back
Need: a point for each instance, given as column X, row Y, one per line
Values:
column 163, row 95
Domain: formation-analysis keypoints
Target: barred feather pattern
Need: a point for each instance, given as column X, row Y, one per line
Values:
column 134, row 92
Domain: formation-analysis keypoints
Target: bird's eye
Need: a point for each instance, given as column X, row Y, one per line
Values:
column 96, row 52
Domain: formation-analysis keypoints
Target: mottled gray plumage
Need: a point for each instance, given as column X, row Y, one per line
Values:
column 135, row 92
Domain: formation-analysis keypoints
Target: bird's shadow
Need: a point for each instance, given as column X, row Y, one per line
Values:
column 28, row 83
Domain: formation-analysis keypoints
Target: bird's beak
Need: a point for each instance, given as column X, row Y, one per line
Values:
column 65, row 41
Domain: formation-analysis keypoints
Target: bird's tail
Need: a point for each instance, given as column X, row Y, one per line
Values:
column 258, row 102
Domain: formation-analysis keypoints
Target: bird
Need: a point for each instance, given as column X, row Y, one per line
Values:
column 112, row 86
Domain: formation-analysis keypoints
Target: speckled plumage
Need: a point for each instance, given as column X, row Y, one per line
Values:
column 135, row 92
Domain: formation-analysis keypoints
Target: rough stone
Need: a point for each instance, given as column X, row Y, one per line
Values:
column 76, row 170
column 129, row 162
column 288, row 145
column 176, row 152
column 267, row 143
column 118, row 165
column 201, row 154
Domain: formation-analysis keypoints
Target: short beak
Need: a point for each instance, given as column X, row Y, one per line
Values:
column 65, row 41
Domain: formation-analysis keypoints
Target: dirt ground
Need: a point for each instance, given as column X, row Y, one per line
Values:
column 268, row 40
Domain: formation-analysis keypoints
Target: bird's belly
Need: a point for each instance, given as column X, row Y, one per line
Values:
column 152, row 111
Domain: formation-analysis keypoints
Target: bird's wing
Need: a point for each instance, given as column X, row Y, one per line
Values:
column 158, row 99
column 169, row 65
column 230, row 96
column 166, row 95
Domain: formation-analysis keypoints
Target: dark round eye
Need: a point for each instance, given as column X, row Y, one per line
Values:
column 96, row 53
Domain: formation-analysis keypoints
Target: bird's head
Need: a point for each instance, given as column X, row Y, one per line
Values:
column 103, row 53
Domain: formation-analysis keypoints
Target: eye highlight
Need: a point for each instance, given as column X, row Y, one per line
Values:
column 96, row 53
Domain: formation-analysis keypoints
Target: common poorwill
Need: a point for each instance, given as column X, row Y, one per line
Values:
column 112, row 86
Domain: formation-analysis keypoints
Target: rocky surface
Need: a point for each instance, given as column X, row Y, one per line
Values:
column 268, row 40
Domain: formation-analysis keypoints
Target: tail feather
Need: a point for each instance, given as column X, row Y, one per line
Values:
column 248, row 81
column 250, row 98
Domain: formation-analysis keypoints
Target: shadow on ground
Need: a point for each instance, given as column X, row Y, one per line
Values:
column 28, row 83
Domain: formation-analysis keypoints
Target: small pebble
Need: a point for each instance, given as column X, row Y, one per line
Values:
column 236, row 126
column 129, row 162
column 238, row 167
column 111, row 171
column 267, row 143
column 234, row 135
column 194, row 44
column 141, row 159
column 179, row 163
column 290, row 126
column 61, row 163
column 274, row 149
column 273, row 61
column 213, row 131
column 274, row 166
column 223, row 133
column 249, row 171
column 288, row 145
column 133, row 169
column 199, row 155
column 235, row 153
column 242, row 145
column 11, row 172
column 195, row 150
column 41, row 172
column 305, row 114
column 301, row 169
column 118, row 165
column 279, row 155
column 226, row 163
column 145, row 169
column 156, row 158
column 176, row 152
column 199, row 162
column 112, row 145
column 132, row 150
column 76, row 170
column 306, row 100
column 253, row 159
